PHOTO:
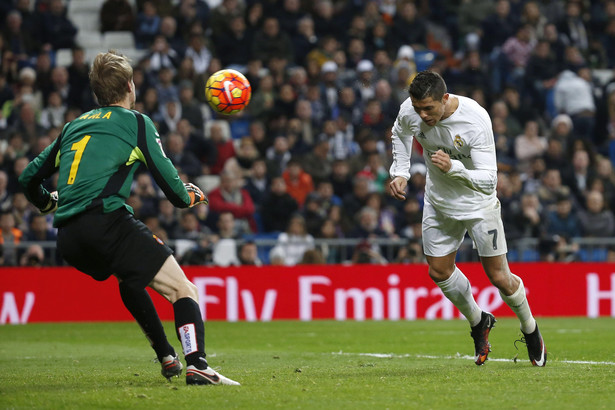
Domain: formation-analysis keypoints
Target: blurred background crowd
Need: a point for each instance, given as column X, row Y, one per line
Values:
column 301, row 175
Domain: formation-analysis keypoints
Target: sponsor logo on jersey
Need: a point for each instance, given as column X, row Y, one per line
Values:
column 160, row 145
column 450, row 153
column 421, row 135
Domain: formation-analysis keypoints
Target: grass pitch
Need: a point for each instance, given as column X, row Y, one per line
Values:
column 312, row 365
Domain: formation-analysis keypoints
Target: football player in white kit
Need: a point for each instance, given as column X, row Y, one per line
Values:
column 460, row 196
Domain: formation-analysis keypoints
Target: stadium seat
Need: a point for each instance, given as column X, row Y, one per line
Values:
column 208, row 182
column 424, row 59
column 64, row 57
column 87, row 23
column 240, row 128
column 592, row 255
column 84, row 6
column 89, row 39
column 529, row 255
column 119, row 40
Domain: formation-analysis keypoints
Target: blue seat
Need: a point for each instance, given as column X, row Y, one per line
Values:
column 424, row 59
column 239, row 128
column 593, row 255
column 529, row 255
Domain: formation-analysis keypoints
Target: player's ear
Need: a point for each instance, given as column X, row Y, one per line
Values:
column 445, row 98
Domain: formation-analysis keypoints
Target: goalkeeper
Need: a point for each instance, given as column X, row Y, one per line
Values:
column 96, row 156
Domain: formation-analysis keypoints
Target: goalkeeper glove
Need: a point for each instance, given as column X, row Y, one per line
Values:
column 196, row 195
column 52, row 205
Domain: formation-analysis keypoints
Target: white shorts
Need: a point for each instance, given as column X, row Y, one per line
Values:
column 443, row 234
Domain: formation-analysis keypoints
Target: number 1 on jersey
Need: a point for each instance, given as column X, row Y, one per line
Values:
column 79, row 147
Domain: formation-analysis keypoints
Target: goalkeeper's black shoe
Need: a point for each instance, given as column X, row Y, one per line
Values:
column 536, row 349
column 480, row 334
column 171, row 366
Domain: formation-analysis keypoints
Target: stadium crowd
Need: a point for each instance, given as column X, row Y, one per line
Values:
column 309, row 157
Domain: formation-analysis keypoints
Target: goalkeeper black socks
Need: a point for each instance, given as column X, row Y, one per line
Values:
column 190, row 331
column 140, row 305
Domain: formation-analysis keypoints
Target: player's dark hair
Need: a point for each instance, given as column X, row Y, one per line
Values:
column 109, row 76
column 427, row 84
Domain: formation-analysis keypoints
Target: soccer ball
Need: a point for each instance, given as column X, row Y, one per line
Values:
column 228, row 91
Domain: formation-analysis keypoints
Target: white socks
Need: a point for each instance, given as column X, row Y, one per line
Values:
column 458, row 290
column 518, row 303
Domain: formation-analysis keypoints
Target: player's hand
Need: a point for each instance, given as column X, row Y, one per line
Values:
column 196, row 195
column 52, row 205
column 398, row 188
column 441, row 160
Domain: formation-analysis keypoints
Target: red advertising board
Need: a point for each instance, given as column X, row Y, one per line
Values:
column 391, row 292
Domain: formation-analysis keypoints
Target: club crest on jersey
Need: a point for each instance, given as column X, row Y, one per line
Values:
column 458, row 141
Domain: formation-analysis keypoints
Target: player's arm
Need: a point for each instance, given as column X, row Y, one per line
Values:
column 38, row 170
column 482, row 179
column 162, row 169
column 402, row 150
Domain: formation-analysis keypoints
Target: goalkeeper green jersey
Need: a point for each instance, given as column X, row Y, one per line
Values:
column 97, row 155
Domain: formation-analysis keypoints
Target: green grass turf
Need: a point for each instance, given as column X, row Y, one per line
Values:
column 311, row 365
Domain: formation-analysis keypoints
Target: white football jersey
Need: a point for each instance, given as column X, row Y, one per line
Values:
column 467, row 136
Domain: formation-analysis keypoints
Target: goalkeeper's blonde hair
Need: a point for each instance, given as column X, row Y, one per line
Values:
column 109, row 76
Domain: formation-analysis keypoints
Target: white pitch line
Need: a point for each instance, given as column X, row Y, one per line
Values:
column 459, row 356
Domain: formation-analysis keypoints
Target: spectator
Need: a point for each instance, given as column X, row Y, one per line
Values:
column 312, row 257
column 147, row 25
column 270, row 42
column 550, row 188
column 116, row 15
column 6, row 198
column 225, row 244
column 529, row 145
column 162, row 55
column 53, row 114
column 188, row 227
column 22, row 211
column 34, row 256
column 526, row 219
column 190, row 108
column 199, row 53
column 596, row 220
column 563, row 220
column 278, row 156
column 167, row 216
column 298, row 182
column 574, row 96
column 10, row 236
column 19, row 41
column 247, row 255
column 305, row 40
column 408, row 27
column 497, row 27
column 233, row 45
column 317, row 163
column 257, row 183
column 295, row 241
column 230, row 197
column 201, row 254
column 169, row 116
column 219, row 133
column 56, row 28
column 578, row 176
column 277, row 207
